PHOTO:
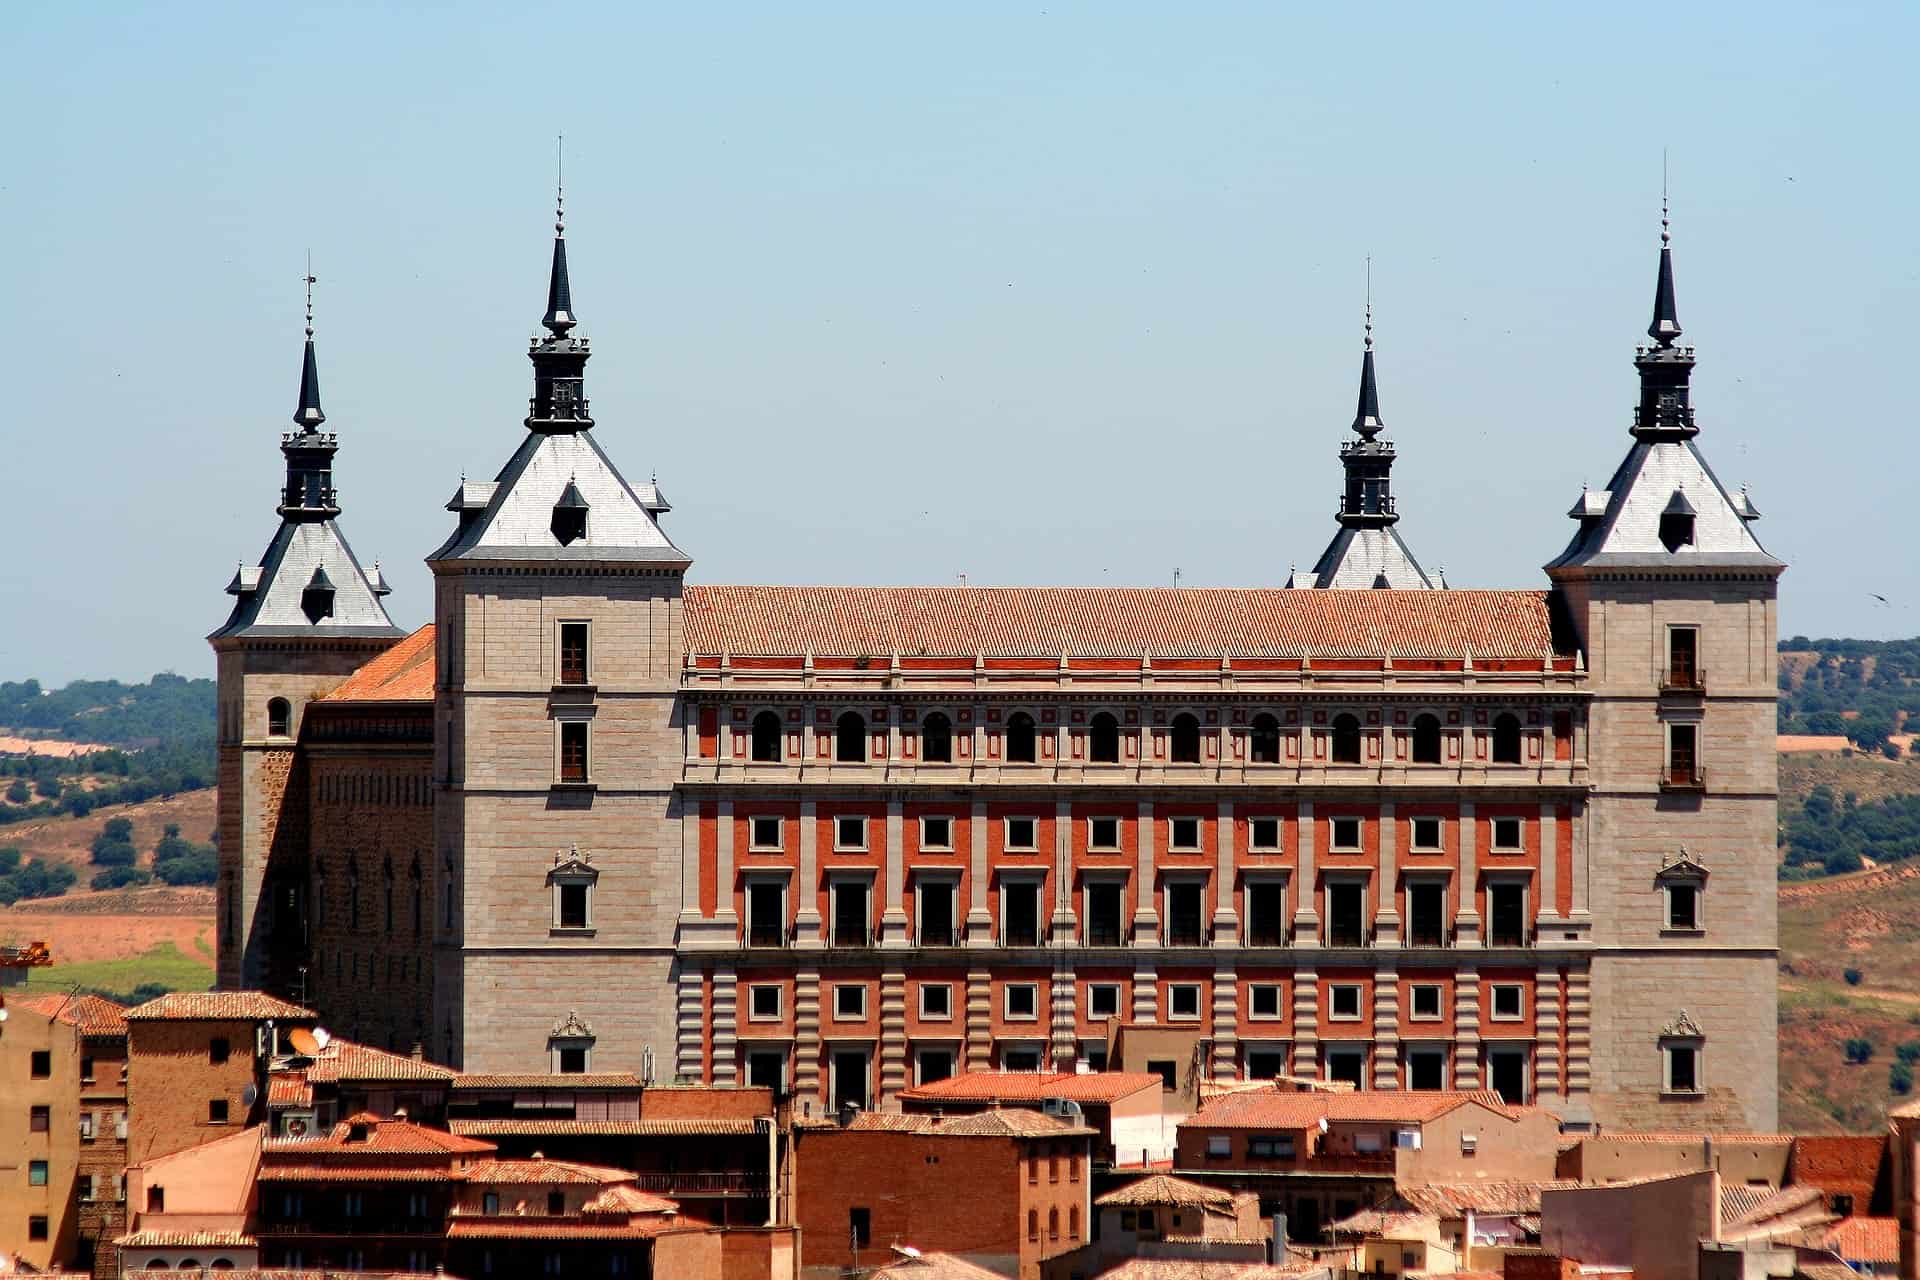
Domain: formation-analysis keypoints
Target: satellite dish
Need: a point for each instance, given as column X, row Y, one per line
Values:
column 321, row 1038
column 304, row 1042
column 249, row 1095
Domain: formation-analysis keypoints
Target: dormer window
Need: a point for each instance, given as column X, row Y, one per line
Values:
column 316, row 600
column 570, row 517
column 1676, row 523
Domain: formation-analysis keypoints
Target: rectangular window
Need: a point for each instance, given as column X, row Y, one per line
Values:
column 87, row 1126
column 1426, row 835
column 40, row 1064
column 1275, row 1146
column 1169, row 1072
column 36, row 1173
column 218, row 1050
column 1265, row 1064
column 936, row 834
column 1020, row 914
column 1506, row 835
column 1183, row 1001
column 573, row 897
column 936, row 1001
column 1509, row 1001
column 1426, row 912
column 1263, row 1000
column 1022, row 1000
column 1021, row 835
column 1507, row 1073
column 767, row 1069
column 1103, row 923
column 37, row 1227
column 1266, row 913
column 1345, row 835
column 217, row 1110
column 764, row 833
column 1263, row 835
column 766, row 914
column 1186, row 915
column 932, row 1065
column 573, row 653
column 1424, row 999
column 1683, row 1069
column 1426, row 1068
column 1012, row 1059
column 935, row 923
column 1103, row 834
column 850, row 1001
column 1683, row 906
column 1683, row 765
column 1683, row 657
column 1219, row 1146
column 763, row 1003
column 1346, row 913
column 1506, row 915
column 1183, row 834
column 1348, row 1066
column 86, row 1071
column 1343, row 1001
column 573, row 751
column 850, row 834
column 1094, row 1053
column 850, row 913
column 39, row 1119
column 571, row 1060
column 860, row 1226
column 1103, row 999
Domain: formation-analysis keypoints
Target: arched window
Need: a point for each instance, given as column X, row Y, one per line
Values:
column 1266, row 739
column 850, row 738
column 766, row 737
column 1346, row 739
column 1103, row 739
column 1053, row 1223
column 1033, row 1220
column 1426, row 739
column 1186, row 739
column 1506, row 739
column 936, row 738
column 1073, row 1222
column 1020, row 738
column 158, row 1264
column 279, row 717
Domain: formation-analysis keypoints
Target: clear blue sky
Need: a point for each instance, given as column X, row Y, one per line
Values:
column 1046, row 293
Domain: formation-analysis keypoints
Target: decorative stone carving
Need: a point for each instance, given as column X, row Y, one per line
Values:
column 571, row 1027
column 1682, row 865
column 1682, row 1028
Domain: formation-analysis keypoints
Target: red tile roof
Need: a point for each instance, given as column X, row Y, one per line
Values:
column 1753, row 1139
column 403, row 673
column 536, row 1228
column 1012, row 1123
column 349, row 1060
column 1164, row 1188
column 1034, row 1086
column 1305, row 1110
column 1497, row 1196
column 92, row 1015
column 510, row 1127
column 540, row 1080
column 1119, row 622
column 1845, row 1164
column 368, row 1137
column 1865, row 1239
column 289, row 1089
column 187, row 1240
column 625, row 1198
column 552, row 1173
column 218, row 1006
column 911, row 1264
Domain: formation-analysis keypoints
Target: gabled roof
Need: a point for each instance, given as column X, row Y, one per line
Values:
column 1361, row 557
column 370, row 1135
column 911, row 1264
column 218, row 1006
column 538, row 1080
column 625, row 1198
column 349, row 1060
column 1013, row 1123
column 517, row 521
column 1017, row 1086
column 1865, row 1239
column 267, row 597
column 545, row 1173
column 1258, row 1110
column 1165, row 1189
column 683, row 1127
column 1655, row 477
column 1117, row 622
column 403, row 673
column 91, row 1015
column 1504, row 1197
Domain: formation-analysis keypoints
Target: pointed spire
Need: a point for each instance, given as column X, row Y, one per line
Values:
column 559, row 317
column 308, row 415
column 1666, row 318
column 1366, row 418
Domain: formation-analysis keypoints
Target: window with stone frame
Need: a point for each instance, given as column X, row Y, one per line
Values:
column 1682, row 1056
column 936, row 834
column 573, row 653
column 1183, row 834
column 1343, row 835
column 573, row 739
column 1022, row 1001
column 764, row 834
column 1509, row 1001
column 1681, row 883
column 1263, row 835
column 1343, row 1001
column 1423, row 1001
column 1103, row 834
column 1425, row 835
column 573, row 879
column 1103, row 1000
column 1507, row 835
column 850, row 1001
column 1183, row 1001
column 1263, row 1000
column 936, row 1001
column 1022, row 835
column 764, row 1001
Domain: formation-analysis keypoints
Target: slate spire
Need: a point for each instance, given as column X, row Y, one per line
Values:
column 1665, row 411
column 308, row 415
column 559, row 317
column 1666, row 318
column 1366, row 417
column 559, row 405
column 308, row 493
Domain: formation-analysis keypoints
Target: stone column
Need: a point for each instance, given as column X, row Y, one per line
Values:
column 690, row 819
column 1467, row 922
column 725, row 1024
column 1386, row 1027
column 979, row 919
column 1306, row 1022
column 1146, row 915
column 1466, row 1025
column 893, row 1033
column 806, row 1033
column 688, row 1019
column 893, row 919
column 1226, row 915
column 1549, row 863
column 1582, row 820
column 1306, row 900
column 1386, row 919
column 979, row 1020
column 1061, row 930
column 806, row 916
column 1546, row 1032
column 724, row 913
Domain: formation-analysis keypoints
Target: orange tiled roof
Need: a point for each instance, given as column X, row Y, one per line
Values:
column 1023, row 1086
column 1013, row 1123
column 1164, row 1188
column 625, row 1198
column 544, row 1172
column 692, row 1127
column 1865, row 1239
column 911, row 1264
column 1304, row 1110
column 542, row 1228
column 218, row 1006
column 91, row 1015
column 1117, row 622
column 1756, row 1139
column 375, row 1137
column 403, row 673
column 349, row 1060
column 538, row 1080
column 1187, row 1269
column 1847, row 1163
column 1495, row 1197
column 187, row 1240
column 289, row 1089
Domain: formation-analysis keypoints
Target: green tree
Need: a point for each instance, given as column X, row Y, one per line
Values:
column 9, row 860
column 18, row 792
column 1900, row 1078
column 1859, row 1049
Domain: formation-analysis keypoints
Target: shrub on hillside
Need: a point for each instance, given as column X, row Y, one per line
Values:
column 18, row 792
column 199, row 867
column 112, row 853
column 1852, row 976
column 1908, row 1052
column 1859, row 1049
column 9, row 860
column 1900, row 1078
column 48, row 788
column 121, row 877
column 36, row 880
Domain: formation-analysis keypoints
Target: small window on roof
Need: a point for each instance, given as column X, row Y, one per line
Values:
column 569, row 523
column 1676, row 522
column 316, row 599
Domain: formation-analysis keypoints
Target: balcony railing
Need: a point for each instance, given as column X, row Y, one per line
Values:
column 937, row 935
column 1683, row 680
column 768, row 935
column 724, row 1182
column 1351, row 1162
column 1105, row 935
column 1267, row 935
column 1348, row 936
column 1683, row 778
column 1432, row 936
column 1186, row 935
column 1510, row 937
column 848, row 935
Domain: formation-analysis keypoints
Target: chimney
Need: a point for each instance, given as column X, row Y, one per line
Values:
column 418, row 1051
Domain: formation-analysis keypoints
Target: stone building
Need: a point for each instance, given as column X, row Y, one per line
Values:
column 843, row 841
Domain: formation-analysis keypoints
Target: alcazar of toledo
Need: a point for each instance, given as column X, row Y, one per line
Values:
column 844, row 840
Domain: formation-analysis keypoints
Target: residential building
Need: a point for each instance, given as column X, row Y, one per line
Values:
column 840, row 841
column 1000, row 1189
column 197, row 1065
column 1124, row 1109
column 1167, row 1218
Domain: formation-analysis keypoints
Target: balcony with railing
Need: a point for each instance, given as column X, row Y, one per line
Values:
column 686, row 1182
column 1684, row 678
column 1682, row 778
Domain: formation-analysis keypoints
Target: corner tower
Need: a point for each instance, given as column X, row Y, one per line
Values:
column 1673, row 601
column 559, row 646
column 1367, row 551
column 304, row 617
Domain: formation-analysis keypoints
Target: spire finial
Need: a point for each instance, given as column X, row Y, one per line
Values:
column 307, row 415
column 1666, row 232
column 1666, row 317
column 559, row 317
column 311, row 279
column 1369, row 302
column 1366, row 417
column 560, row 185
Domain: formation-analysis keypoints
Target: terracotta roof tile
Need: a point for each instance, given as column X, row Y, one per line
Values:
column 1022, row 1086
column 1494, row 1197
column 1013, row 1123
column 626, row 1198
column 1121, row 622
column 367, row 1135
column 349, row 1060
column 544, row 1172
column 541, row 1228
column 218, row 1006
column 1865, row 1239
column 544, row 1080
column 1164, row 1188
column 187, row 1240
column 1183, row 1269
column 289, row 1089
column 91, row 1015
column 1305, row 1110
column 509, row 1127
column 911, row 1264
column 403, row 673
column 1755, row 1139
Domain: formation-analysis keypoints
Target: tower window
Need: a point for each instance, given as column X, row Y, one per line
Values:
column 1344, row 835
column 764, row 1002
column 1506, row 835
column 1103, row 739
column 279, row 717
column 1426, row 835
column 766, row 738
column 1183, row 834
column 1346, row 739
column 1426, row 739
column 1266, row 739
column 850, row 738
column 1022, row 835
column 1683, row 905
column 1683, row 761
column 1263, row 834
column 1263, row 1000
column 572, row 900
column 573, row 751
column 1682, row 1067
column 1506, row 739
column 573, row 653
column 763, row 833
column 1683, row 657
column 936, row 739
column 1021, row 736
column 1184, row 747
column 1103, row 833
column 936, row 834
